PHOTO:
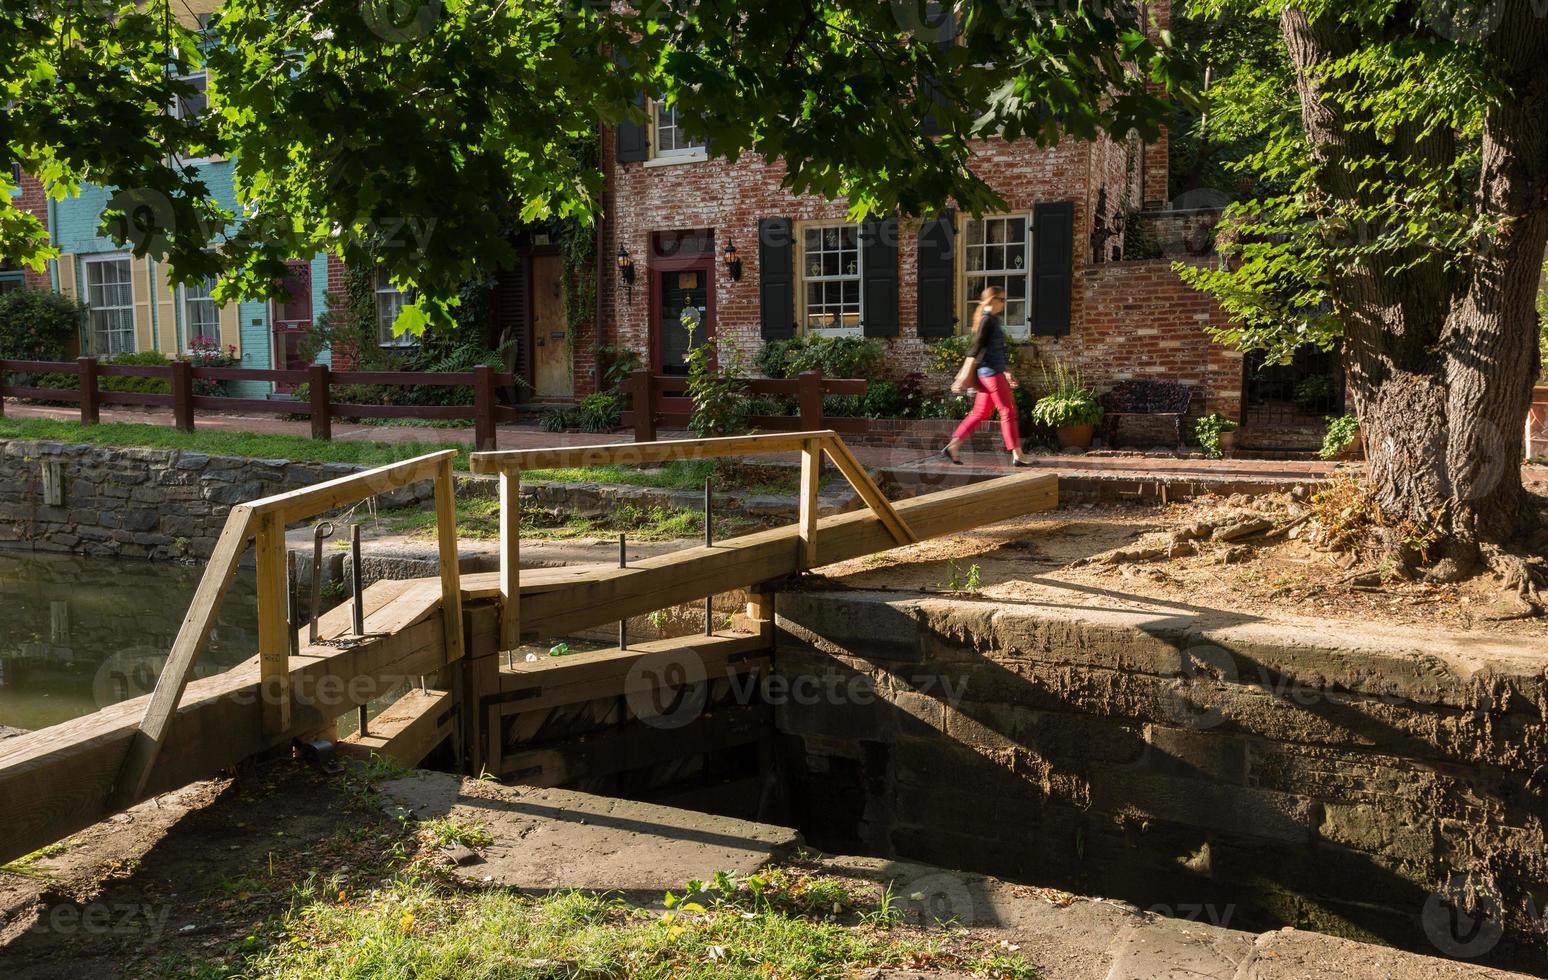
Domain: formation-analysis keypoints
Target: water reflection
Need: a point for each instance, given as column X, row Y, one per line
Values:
column 77, row 634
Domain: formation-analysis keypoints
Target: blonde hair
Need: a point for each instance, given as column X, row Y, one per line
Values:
column 989, row 295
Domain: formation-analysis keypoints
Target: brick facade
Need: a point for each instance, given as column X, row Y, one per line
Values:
column 34, row 201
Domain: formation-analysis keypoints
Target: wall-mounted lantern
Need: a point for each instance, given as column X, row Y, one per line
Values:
column 732, row 261
column 626, row 271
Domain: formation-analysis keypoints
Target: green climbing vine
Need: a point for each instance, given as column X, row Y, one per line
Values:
column 577, row 244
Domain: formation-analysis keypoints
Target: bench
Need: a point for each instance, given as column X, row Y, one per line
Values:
column 1144, row 397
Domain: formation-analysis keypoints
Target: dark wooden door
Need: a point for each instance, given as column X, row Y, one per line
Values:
column 291, row 314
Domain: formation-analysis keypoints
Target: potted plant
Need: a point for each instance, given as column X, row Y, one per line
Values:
column 1342, row 439
column 1216, row 434
column 1069, row 408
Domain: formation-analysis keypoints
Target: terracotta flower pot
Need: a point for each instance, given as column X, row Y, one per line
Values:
column 1076, row 436
column 1227, row 440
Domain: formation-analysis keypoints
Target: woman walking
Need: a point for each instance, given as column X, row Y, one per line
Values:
column 985, row 366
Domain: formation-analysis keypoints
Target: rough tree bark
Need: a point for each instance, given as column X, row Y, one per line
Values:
column 1441, row 361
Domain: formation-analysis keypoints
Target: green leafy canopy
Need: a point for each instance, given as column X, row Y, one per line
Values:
column 406, row 136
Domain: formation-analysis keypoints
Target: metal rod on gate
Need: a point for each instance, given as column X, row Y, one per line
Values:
column 623, row 624
column 359, row 579
column 293, row 603
column 709, row 539
column 362, row 715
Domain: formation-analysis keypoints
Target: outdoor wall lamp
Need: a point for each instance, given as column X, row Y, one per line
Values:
column 626, row 271
column 733, row 261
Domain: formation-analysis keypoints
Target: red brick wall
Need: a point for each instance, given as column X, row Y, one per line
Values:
column 33, row 199
column 342, row 357
column 730, row 198
column 1141, row 321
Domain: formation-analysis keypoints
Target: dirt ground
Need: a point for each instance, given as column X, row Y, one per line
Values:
column 1058, row 558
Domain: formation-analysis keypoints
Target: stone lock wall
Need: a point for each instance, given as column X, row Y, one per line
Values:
column 1305, row 774
column 142, row 503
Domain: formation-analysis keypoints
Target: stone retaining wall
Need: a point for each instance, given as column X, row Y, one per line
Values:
column 142, row 503
column 1313, row 774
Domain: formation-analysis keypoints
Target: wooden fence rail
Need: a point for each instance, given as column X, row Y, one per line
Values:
column 661, row 401
column 181, row 397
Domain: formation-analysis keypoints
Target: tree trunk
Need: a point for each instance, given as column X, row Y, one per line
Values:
column 1440, row 362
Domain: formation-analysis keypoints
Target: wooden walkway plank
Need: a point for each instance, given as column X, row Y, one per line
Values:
column 407, row 731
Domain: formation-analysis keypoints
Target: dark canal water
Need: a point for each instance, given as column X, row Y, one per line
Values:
column 78, row 634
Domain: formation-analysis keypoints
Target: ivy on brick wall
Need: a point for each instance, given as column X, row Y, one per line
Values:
column 578, row 244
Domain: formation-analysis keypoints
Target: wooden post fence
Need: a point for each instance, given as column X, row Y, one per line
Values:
column 182, row 396
column 317, row 393
column 91, row 396
column 484, row 408
column 639, row 387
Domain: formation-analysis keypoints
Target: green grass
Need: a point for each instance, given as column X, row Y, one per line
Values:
column 26, row 866
column 415, row 928
column 225, row 443
column 446, row 831
column 478, row 518
column 725, row 476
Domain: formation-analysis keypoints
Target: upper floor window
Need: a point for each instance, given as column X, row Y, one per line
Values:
column 16, row 172
column 994, row 253
column 389, row 302
column 11, row 280
column 110, row 297
column 197, row 103
column 830, row 277
column 669, row 139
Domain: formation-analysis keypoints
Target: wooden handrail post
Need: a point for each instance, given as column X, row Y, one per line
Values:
column 810, row 399
column 811, row 476
column 484, row 408
column 182, row 396
column 510, row 560
column 451, row 581
column 322, row 403
column 273, row 625
column 91, row 412
column 644, row 409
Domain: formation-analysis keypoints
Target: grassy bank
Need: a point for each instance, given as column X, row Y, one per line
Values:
column 726, row 475
column 129, row 435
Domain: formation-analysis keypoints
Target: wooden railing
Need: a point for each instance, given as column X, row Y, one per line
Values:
column 509, row 466
column 485, row 412
column 264, row 521
column 661, row 401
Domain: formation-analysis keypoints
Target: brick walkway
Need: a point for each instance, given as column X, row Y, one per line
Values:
column 1136, row 465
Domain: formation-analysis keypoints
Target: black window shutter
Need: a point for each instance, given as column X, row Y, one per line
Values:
column 776, row 285
column 1053, row 267
column 879, row 277
column 939, row 27
column 631, row 138
column 937, row 276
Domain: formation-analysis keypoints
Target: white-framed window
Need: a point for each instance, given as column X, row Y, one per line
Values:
column 830, row 277
column 389, row 301
column 196, row 104
column 996, row 251
column 16, row 173
column 201, row 317
column 668, row 140
column 110, row 299
column 11, row 280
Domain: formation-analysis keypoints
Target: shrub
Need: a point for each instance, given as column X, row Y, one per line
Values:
column 883, row 400
column 601, row 412
column 1340, row 435
column 1068, row 401
column 144, row 386
column 719, row 397
column 835, row 357
column 1207, row 430
column 38, row 326
column 560, row 419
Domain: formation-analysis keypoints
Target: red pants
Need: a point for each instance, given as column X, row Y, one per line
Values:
column 994, row 392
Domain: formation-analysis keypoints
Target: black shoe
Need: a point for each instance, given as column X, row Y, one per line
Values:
column 1020, row 462
column 947, row 453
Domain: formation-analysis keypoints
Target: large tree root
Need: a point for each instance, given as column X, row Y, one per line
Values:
column 1523, row 575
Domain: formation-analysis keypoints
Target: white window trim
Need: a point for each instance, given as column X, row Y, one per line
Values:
column 1022, row 332
column 387, row 338
column 799, row 245
column 85, row 291
column 175, row 110
column 657, row 157
column 187, row 321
